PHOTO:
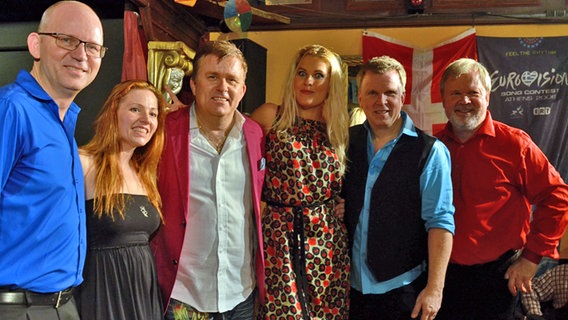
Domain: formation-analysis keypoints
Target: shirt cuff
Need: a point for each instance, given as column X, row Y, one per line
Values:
column 531, row 256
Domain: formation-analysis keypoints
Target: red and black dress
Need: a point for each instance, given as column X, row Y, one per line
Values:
column 306, row 245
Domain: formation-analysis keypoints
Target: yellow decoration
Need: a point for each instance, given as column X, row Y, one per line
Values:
column 168, row 63
column 189, row 3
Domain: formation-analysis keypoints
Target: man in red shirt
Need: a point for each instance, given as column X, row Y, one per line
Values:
column 511, row 204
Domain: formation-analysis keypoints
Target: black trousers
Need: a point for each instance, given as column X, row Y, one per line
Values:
column 396, row 304
column 478, row 291
column 67, row 311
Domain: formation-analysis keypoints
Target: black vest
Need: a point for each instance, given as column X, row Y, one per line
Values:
column 397, row 240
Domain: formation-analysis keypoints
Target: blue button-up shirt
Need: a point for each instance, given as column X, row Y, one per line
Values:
column 437, row 207
column 42, row 206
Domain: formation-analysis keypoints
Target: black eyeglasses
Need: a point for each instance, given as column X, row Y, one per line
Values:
column 71, row 43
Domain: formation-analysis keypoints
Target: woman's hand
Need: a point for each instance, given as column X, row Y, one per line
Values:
column 176, row 103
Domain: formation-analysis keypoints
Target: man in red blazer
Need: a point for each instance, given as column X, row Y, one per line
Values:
column 208, row 256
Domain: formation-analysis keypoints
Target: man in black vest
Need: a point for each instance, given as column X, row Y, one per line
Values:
column 398, row 204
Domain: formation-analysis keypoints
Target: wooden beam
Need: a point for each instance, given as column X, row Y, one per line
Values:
column 168, row 21
column 214, row 9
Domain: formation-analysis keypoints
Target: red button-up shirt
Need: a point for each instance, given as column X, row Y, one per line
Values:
column 499, row 176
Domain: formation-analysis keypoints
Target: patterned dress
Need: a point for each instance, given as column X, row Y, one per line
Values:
column 306, row 246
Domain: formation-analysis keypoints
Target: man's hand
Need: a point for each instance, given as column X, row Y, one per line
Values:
column 429, row 302
column 339, row 211
column 520, row 275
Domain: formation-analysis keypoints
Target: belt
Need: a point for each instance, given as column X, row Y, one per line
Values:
column 25, row 297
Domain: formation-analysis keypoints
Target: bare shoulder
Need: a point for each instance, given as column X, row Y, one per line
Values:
column 86, row 161
column 265, row 115
column 88, row 165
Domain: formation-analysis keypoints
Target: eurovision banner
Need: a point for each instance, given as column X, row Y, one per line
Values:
column 424, row 68
column 530, row 89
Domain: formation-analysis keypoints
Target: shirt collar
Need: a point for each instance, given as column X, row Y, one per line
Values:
column 25, row 80
column 407, row 128
column 239, row 119
column 486, row 128
column 30, row 84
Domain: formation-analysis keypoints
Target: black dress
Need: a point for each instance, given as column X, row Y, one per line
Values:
column 120, row 279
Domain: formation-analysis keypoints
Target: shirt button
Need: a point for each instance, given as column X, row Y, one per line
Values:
column 174, row 261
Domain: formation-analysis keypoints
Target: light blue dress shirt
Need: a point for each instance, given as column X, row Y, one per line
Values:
column 437, row 208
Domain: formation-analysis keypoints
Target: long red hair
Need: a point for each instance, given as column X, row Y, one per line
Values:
column 104, row 148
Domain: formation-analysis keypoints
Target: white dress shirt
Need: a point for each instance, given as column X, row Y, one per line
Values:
column 216, row 270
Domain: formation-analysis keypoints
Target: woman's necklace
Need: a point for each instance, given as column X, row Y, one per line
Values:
column 214, row 140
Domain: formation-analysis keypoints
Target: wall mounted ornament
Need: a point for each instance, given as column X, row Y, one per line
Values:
column 169, row 62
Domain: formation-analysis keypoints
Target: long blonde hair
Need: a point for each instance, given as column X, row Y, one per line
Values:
column 335, row 106
column 104, row 148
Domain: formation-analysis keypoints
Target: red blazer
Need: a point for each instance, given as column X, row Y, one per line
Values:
column 173, row 184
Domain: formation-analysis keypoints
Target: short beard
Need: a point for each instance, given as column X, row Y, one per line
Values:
column 470, row 123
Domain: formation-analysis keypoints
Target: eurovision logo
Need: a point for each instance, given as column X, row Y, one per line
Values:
column 512, row 80
column 529, row 77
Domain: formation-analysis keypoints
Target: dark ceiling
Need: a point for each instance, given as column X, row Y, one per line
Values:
column 341, row 14
column 333, row 14
column 31, row 10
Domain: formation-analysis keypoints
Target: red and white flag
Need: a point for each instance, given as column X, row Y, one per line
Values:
column 424, row 68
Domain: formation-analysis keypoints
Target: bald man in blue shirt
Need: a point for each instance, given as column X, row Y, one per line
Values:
column 42, row 206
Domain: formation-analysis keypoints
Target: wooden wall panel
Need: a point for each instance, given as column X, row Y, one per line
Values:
column 375, row 5
column 452, row 4
column 169, row 21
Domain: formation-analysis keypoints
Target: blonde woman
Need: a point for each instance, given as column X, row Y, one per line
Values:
column 306, row 245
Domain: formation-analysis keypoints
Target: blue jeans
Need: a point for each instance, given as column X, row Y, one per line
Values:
column 178, row 310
